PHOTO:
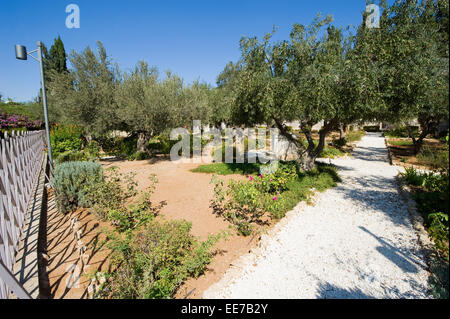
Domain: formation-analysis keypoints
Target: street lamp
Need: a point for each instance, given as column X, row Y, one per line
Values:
column 22, row 54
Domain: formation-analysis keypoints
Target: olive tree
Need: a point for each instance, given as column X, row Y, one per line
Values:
column 411, row 51
column 312, row 77
column 146, row 105
column 85, row 94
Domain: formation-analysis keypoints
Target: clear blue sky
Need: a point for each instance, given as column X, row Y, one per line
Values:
column 194, row 39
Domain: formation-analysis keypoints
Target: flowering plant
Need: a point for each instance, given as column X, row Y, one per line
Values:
column 14, row 121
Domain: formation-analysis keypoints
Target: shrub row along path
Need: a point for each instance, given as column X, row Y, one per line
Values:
column 356, row 241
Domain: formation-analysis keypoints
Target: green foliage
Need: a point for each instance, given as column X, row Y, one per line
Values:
column 228, row 168
column 72, row 183
column 413, row 177
column 110, row 193
column 119, row 146
column 66, row 138
column 93, row 149
column 153, row 261
column 355, row 136
column 339, row 142
column 438, row 228
column 371, row 128
column 432, row 201
column 245, row 203
column 400, row 143
column 161, row 144
column 331, row 152
column 435, row 158
column 401, row 131
column 86, row 94
column 31, row 110
column 71, row 156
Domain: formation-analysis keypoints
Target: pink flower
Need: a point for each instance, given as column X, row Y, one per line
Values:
column 251, row 178
column 275, row 198
column 261, row 175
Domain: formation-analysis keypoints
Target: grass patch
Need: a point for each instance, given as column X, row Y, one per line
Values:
column 400, row 143
column 228, row 168
column 331, row 152
column 432, row 157
column 355, row 136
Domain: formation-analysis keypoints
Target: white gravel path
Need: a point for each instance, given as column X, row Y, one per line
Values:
column 357, row 241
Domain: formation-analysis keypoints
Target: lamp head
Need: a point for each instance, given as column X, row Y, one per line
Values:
column 21, row 52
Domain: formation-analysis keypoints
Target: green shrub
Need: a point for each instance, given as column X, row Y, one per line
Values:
column 244, row 203
column 111, row 193
column 339, row 142
column 66, row 138
column 371, row 128
column 140, row 156
column 72, row 182
column 438, row 229
column 401, row 143
column 402, row 131
column 331, row 152
column 436, row 159
column 71, row 156
column 413, row 177
column 355, row 136
column 432, row 201
column 228, row 168
column 92, row 150
column 161, row 144
column 154, row 261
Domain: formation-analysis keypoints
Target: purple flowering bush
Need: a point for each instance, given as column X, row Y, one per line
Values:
column 15, row 121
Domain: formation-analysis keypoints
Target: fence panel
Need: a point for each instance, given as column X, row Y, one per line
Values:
column 21, row 156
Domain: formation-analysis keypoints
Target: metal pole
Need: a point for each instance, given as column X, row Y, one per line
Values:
column 44, row 102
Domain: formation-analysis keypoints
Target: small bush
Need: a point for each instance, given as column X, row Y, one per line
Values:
column 154, row 261
column 72, row 182
column 436, row 159
column 66, row 138
column 140, row 156
column 244, row 203
column 331, row 152
column 402, row 131
column 92, row 150
column 111, row 193
column 413, row 177
column 339, row 142
column 71, row 156
column 355, row 136
column 372, row 128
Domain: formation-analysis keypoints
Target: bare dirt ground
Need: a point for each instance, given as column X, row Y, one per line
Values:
column 69, row 270
column 187, row 195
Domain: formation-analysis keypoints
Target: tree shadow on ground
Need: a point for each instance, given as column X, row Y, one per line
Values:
column 396, row 255
column 330, row 291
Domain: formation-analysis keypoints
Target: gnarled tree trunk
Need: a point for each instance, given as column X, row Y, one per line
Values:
column 142, row 142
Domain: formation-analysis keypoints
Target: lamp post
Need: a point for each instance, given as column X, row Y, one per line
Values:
column 22, row 54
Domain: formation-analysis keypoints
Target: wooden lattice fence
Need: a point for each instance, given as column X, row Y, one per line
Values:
column 21, row 157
